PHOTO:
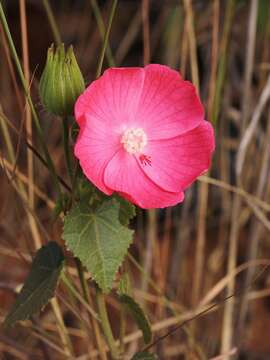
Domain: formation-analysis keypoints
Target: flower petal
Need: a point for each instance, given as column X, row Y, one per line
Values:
column 113, row 98
column 177, row 162
column 169, row 106
column 94, row 148
column 124, row 175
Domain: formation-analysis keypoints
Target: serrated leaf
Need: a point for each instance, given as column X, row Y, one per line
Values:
column 138, row 315
column 98, row 239
column 40, row 284
column 143, row 355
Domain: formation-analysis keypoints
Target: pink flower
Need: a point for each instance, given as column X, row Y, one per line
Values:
column 143, row 135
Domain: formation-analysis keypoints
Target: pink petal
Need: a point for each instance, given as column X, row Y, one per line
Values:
column 177, row 162
column 124, row 175
column 94, row 148
column 113, row 98
column 169, row 106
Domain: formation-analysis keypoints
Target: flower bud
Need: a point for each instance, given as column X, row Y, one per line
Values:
column 61, row 81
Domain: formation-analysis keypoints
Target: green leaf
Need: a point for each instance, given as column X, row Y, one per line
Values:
column 138, row 315
column 143, row 355
column 127, row 211
column 40, row 284
column 86, row 190
column 89, row 193
column 60, row 206
column 124, row 286
column 98, row 239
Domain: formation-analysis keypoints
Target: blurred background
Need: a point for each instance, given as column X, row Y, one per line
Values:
column 210, row 252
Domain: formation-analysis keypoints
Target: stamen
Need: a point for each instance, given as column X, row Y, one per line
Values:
column 134, row 140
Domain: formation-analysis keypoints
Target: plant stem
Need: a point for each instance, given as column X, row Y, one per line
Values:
column 66, row 147
column 192, row 44
column 21, row 187
column 105, row 323
column 29, row 100
column 229, row 12
column 77, row 295
column 106, row 38
column 146, row 32
column 28, row 122
column 61, row 327
column 101, row 29
column 82, row 279
column 52, row 22
column 86, row 295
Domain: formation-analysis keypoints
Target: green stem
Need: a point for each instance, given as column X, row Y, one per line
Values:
column 6, row 136
column 74, row 180
column 101, row 28
column 82, row 279
column 52, row 22
column 86, row 295
column 66, row 147
column 105, row 323
column 29, row 100
column 106, row 38
column 223, row 59
column 77, row 295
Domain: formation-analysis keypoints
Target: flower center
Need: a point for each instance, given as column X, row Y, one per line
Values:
column 134, row 140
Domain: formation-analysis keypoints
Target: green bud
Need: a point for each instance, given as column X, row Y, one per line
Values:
column 61, row 82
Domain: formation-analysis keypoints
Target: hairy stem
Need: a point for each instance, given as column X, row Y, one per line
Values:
column 105, row 323
column 67, row 148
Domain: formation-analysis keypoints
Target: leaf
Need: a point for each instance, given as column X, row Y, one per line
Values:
column 124, row 286
column 138, row 315
column 127, row 211
column 60, row 206
column 86, row 190
column 40, row 284
column 89, row 193
column 143, row 355
column 98, row 239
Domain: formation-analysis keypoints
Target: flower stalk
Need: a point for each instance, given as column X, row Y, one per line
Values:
column 105, row 323
column 65, row 125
